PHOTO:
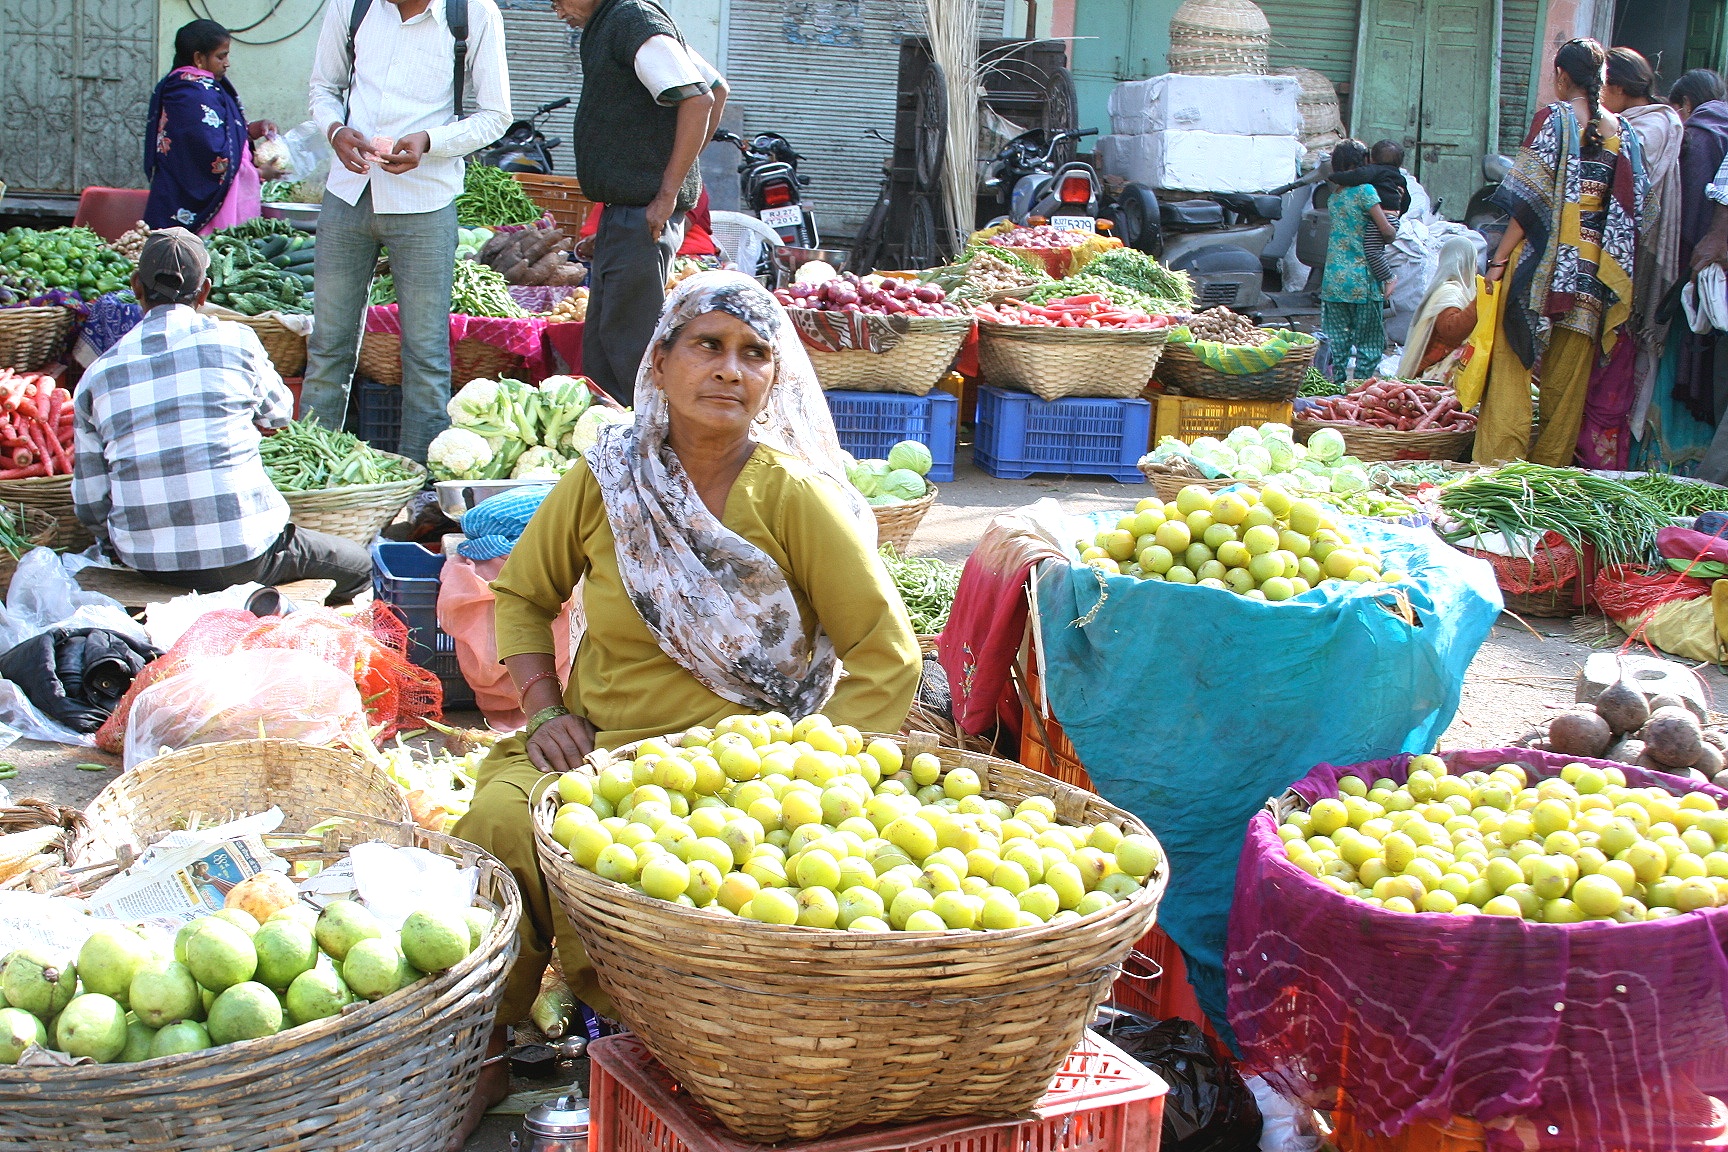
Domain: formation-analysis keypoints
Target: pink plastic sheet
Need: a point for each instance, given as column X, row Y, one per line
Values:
column 1589, row 1036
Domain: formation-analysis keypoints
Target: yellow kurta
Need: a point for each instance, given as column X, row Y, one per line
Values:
column 629, row 689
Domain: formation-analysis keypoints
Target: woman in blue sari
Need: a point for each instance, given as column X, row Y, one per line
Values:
column 197, row 143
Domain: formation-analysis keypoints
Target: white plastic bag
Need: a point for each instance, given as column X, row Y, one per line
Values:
column 1284, row 1126
column 308, row 151
column 268, row 692
column 395, row 881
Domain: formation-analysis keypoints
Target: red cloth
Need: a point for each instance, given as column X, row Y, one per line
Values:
column 698, row 228
column 524, row 336
column 565, row 340
column 978, row 647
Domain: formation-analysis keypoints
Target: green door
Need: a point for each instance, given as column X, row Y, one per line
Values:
column 1116, row 40
column 1423, row 79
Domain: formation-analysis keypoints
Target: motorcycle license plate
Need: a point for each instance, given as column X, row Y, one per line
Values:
column 791, row 216
column 1074, row 223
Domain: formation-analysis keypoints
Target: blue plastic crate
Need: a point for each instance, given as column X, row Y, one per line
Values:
column 870, row 423
column 405, row 576
column 1019, row 435
column 380, row 410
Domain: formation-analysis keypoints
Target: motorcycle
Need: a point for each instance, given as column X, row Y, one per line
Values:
column 1025, row 181
column 524, row 147
column 1483, row 215
column 769, row 183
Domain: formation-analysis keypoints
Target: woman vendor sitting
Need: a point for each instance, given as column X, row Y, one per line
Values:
column 1446, row 318
column 726, row 567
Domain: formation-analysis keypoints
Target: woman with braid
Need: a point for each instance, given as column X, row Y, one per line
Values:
column 1565, row 269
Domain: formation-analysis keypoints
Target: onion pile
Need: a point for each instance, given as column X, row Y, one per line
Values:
column 1041, row 236
column 872, row 294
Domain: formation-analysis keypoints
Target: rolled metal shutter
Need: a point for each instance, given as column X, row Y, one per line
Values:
column 1317, row 34
column 543, row 67
column 1518, row 36
column 820, row 73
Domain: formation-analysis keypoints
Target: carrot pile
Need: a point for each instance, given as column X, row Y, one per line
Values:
column 35, row 426
column 1090, row 311
column 1399, row 405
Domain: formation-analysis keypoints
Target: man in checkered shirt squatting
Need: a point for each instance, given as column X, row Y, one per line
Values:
column 166, row 469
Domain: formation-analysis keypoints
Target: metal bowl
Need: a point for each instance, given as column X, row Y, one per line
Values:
column 300, row 215
column 787, row 261
column 457, row 496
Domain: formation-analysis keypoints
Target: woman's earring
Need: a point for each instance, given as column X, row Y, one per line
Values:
column 762, row 417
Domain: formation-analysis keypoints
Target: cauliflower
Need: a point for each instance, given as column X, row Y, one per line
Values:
column 588, row 426
column 458, row 454
column 477, row 401
column 537, row 464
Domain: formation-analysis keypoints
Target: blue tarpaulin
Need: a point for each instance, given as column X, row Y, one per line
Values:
column 1191, row 706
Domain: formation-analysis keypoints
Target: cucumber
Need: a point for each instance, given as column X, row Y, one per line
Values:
column 272, row 246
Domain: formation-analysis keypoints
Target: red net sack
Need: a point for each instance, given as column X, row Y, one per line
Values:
column 370, row 646
column 1595, row 1036
column 1627, row 592
column 1555, row 565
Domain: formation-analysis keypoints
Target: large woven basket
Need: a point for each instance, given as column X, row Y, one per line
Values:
column 356, row 512
column 381, row 360
column 285, row 347
column 53, row 495
column 791, row 1033
column 1219, row 38
column 916, row 363
column 1053, row 363
column 389, row 1076
column 1185, row 373
column 1167, row 480
column 225, row 781
column 1366, row 443
column 924, row 718
column 39, row 530
column 898, row 523
column 33, row 336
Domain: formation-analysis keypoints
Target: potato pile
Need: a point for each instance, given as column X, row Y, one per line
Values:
column 1222, row 326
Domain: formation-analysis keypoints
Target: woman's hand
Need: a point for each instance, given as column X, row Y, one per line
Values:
column 261, row 128
column 1496, row 270
column 560, row 744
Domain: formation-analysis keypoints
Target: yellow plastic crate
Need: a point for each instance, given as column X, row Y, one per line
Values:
column 1190, row 417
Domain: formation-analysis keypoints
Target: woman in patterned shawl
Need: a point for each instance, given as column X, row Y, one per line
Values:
column 1575, row 195
column 726, row 566
column 197, row 143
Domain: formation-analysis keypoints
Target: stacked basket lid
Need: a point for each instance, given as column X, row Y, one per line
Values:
column 791, row 1033
column 394, row 1075
column 917, row 352
column 1219, row 38
column 1055, row 363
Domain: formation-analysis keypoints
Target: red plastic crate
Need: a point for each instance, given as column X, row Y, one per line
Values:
column 1101, row 1101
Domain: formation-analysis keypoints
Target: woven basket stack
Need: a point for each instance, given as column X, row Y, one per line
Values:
column 51, row 495
column 924, row 349
column 355, row 512
column 285, row 347
column 33, row 335
column 1322, row 126
column 381, row 361
column 896, row 524
column 1219, row 38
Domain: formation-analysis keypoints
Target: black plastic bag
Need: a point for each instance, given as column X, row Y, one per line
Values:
column 1209, row 1108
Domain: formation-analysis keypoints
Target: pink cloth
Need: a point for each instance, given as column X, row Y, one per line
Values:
column 245, row 200
column 1605, row 437
column 465, row 604
column 1581, row 1037
column 524, row 337
column 1685, row 544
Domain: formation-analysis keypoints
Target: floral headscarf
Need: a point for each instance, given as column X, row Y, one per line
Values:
column 716, row 603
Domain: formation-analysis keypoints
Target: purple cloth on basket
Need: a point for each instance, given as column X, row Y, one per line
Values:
column 1591, row 1036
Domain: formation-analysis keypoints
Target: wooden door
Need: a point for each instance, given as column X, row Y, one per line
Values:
column 1103, row 58
column 1424, row 79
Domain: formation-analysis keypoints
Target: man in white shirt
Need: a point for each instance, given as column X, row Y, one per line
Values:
column 649, row 105
column 387, row 101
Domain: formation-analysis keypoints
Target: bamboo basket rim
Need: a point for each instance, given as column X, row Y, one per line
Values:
column 1063, row 794
column 1068, row 337
column 346, row 496
column 501, row 937
column 35, row 313
column 1369, row 439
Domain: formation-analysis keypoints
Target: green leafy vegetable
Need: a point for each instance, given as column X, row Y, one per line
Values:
column 1522, row 499
column 1136, row 270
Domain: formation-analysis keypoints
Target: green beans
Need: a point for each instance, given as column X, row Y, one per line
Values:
column 926, row 584
column 304, row 457
column 1679, row 497
column 1523, row 499
column 476, row 290
column 491, row 197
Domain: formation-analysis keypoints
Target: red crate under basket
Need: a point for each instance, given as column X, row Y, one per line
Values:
column 1101, row 1101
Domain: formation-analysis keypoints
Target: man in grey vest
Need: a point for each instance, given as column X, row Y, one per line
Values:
column 649, row 105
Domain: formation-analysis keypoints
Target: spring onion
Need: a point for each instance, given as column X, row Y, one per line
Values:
column 1523, row 500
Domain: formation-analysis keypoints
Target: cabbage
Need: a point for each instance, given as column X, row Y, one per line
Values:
column 1281, row 453
column 1326, row 443
column 1241, row 436
column 1248, row 472
column 902, row 482
column 882, row 501
column 862, row 479
column 910, row 455
column 1315, row 482
column 1270, row 432
column 880, row 467
column 1204, row 446
column 1255, row 457
column 1348, row 480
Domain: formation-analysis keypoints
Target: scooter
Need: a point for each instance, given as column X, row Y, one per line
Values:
column 524, row 147
column 769, row 182
column 1483, row 214
column 1025, row 181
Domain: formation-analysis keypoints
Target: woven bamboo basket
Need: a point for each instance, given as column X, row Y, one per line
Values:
column 33, row 336
column 381, row 360
column 389, row 1076
column 1366, row 443
column 41, row 872
column 53, row 495
column 1554, row 604
column 787, row 1032
column 1185, row 373
column 1219, row 38
column 1454, row 471
column 39, row 530
column 898, row 523
column 225, row 781
column 1167, row 479
column 914, row 366
column 285, row 347
column 356, row 512
column 1053, row 363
